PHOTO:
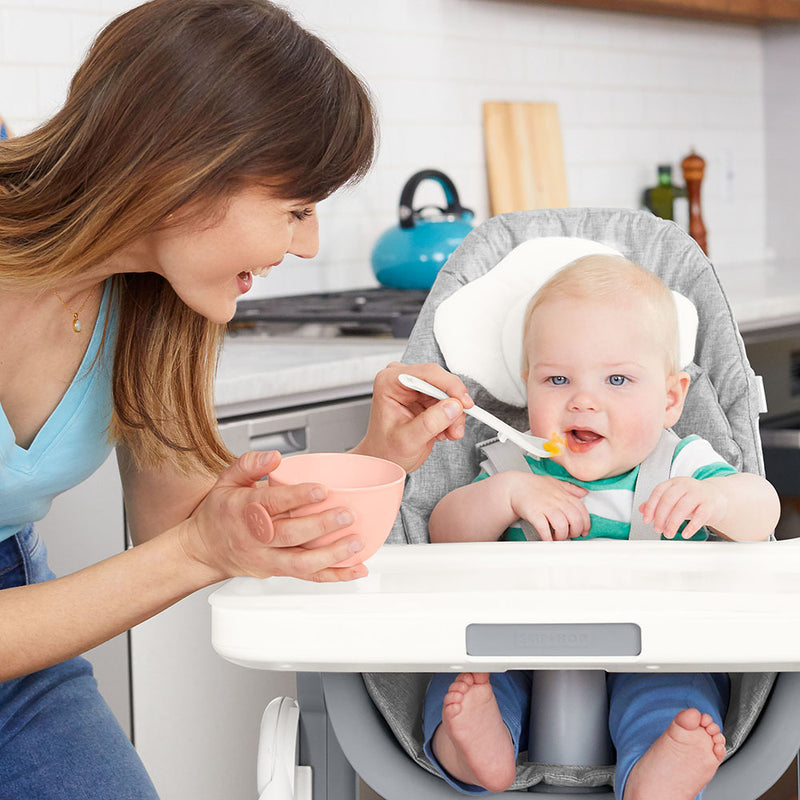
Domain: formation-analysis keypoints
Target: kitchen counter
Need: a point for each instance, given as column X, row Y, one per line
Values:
column 262, row 373
column 763, row 295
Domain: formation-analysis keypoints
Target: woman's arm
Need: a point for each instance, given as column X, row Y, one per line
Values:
column 194, row 531
column 158, row 498
column 45, row 623
column 240, row 527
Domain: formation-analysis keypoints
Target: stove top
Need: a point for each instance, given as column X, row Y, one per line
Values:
column 365, row 312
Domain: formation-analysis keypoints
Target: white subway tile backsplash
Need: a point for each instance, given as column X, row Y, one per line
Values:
column 85, row 28
column 52, row 90
column 542, row 64
column 36, row 36
column 632, row 92
column 63, row 5
column 19, row 88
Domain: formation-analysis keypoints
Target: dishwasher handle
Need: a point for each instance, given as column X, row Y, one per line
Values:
column 286, row 442
column 286, row 432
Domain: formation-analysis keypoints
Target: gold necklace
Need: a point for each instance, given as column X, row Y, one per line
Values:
column 76, row 323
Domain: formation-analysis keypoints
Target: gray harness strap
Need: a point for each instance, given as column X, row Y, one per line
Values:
column 654, row 469
column 504, row 457
column 501, row 456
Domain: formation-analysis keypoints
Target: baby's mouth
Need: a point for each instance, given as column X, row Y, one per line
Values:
column 579, row 440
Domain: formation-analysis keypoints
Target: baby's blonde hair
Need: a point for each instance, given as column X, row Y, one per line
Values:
column 613, row 278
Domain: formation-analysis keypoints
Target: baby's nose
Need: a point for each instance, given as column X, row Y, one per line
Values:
column 583, row 400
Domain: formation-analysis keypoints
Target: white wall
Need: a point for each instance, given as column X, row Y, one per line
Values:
column 782, row 104
column 633, row 91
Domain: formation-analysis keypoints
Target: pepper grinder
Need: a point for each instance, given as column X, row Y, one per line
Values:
column 693, row 167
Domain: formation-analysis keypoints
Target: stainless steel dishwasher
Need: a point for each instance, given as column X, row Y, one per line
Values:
column 775, row 355
column 322, row 427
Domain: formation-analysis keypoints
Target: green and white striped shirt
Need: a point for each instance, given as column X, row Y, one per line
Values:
column 610, row 500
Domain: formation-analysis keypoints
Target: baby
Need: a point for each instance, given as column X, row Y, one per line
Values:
column 600, row 364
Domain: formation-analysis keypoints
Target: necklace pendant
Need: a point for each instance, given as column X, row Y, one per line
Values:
column 76, row 323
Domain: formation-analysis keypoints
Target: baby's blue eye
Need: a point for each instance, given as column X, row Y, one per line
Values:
column 558, row 380
column 617, row 380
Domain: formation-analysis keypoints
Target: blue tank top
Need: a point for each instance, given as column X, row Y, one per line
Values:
column 71, row 444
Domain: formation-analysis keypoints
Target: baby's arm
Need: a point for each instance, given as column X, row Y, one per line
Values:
column 740, row 507
column 481, row 511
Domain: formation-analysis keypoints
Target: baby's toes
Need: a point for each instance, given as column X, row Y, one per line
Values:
column 453, row 696
column 689, row 719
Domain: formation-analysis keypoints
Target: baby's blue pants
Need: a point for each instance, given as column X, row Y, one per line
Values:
column 58, row 738
column 641, row 706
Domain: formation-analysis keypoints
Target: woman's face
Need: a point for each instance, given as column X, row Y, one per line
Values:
column 209, row 263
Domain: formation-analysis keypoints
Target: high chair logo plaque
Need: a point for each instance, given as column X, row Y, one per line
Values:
column 570, row 611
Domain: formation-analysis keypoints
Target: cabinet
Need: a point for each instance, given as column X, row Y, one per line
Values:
column 744, row 11
column 196, row 717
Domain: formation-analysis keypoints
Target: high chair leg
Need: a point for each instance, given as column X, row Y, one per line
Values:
column 569, row 718
column 334, row 777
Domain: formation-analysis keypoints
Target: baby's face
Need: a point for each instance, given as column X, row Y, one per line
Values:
column 598, row 376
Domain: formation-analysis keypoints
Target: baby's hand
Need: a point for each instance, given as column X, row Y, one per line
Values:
column 680, row 499
column 553, row 507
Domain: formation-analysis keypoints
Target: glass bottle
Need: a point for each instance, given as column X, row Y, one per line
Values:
column 660, row 199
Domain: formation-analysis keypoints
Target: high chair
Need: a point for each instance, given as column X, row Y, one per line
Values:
column 568, row 610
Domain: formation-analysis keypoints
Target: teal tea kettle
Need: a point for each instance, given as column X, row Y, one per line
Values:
column 410, row 255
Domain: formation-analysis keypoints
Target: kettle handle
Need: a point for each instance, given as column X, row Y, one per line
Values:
column 407, row 196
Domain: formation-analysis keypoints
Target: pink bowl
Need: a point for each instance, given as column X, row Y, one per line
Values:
column 370, row 487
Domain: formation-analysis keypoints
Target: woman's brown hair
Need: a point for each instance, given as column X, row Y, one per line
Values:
column 178, row 102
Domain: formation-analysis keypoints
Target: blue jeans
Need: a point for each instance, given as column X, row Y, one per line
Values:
column 58, row 738
column 640, row 707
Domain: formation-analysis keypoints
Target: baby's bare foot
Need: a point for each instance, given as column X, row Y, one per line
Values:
column 680, row 762
column 473, row 743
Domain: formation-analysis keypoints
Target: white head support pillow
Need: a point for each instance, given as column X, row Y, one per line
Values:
column 479, row 327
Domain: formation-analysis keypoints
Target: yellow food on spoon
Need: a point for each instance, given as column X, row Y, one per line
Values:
column 554, row 444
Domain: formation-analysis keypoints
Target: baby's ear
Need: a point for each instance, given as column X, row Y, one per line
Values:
column 677, row 387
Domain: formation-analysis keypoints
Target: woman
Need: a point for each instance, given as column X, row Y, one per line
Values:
column 196, row 139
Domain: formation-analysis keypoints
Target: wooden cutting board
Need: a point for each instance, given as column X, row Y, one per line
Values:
column 524, row 156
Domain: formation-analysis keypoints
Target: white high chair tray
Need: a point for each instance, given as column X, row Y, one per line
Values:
column 619, row 606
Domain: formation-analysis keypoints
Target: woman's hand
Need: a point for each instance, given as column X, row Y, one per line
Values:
column 242, row 527
column 404, row 424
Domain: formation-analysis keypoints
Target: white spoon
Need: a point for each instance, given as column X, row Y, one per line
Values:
column 531, row 444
